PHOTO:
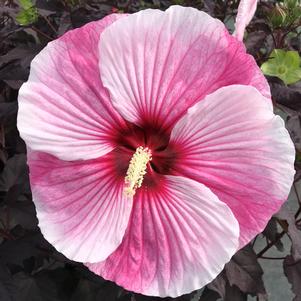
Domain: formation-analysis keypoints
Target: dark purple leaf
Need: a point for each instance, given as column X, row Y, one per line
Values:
column 209, row 6
column 26, row 288
column 293, row 125
column 209, row 295
column 13, row 72
column 23, row 54
column 245, row 272
column 226, row 291
column 6, row 286
column 259, row 25
column 15, row 172
column 65, row 24
column 51, row 6
column 219, row 284
column 233, row 293
column 9, row 30
column 17, row 250
column 8, row 11
column 254, row 41
column 288, row 96
column 83, row 15
column 286, row 215
column 85, row 290
column 24, row 214
column 296, row 43
column 34, row 271
column 8, row 111
column 271, row 233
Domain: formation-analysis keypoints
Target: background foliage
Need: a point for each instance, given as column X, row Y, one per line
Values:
column 30, row 268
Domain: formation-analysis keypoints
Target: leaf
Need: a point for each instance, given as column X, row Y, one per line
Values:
column 209, row 295
column 277, row 16
column 14, row 172
column 26, row 4
column 6, row 286
column 28, row 13
column 209, row 6
column 226, row 291
column 110, row 292
column 293, row 125
column 24, row 214
column 271, row 233
column 57, row 284
column 22, row 54
column 85, row 290
column 284, row 65
column 65, row 24
column 83, row 15
column 219, row 284
column 53, row 6
column 28, row 16
column 286, row 215
column 295, row 43
column 14, row 73
column 285, row 14
column 292, row 270
column 26, row 288
column 288, row 96
column 291, row 4
column 254, row 41
column 245, row 272
column 233, row 293
column 14, row 65
column 30, row 244
column 8, row 111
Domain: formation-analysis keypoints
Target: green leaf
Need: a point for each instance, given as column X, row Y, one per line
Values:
column 285, row 14
column 292, row 59
column 284, row 65
column 291, row 4
column 28, row 13
column 26, row 4
column 277, row 16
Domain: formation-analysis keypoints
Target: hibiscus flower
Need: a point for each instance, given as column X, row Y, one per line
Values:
column 153, row 149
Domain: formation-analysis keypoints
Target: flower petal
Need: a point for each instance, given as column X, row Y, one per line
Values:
column 246, row 11
column 157, row 64
column 64, row 109
column 178, row 239
column 80, row 205
column 234, row 144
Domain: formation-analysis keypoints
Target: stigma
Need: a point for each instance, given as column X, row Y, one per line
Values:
column 137, row 170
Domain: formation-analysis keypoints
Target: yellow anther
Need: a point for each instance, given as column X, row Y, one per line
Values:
column 137, row 170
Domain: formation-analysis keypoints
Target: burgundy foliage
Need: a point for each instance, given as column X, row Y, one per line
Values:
column 30, row 268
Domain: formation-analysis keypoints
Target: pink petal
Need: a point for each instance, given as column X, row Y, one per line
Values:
column 81, row 206
column 178, row 240
column 64, row 109
column 157, row 64
column 246, row 11
column 234, row 144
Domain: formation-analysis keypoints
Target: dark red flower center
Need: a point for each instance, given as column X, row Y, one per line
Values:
column 156, row 140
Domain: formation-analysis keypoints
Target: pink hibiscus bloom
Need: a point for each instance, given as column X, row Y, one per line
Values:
column 153, row 149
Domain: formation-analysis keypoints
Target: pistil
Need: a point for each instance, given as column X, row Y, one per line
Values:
column 137, row 170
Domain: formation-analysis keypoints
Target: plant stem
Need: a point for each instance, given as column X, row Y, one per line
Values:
column 50, row 25
column 272, row 258
column 42, row 33
column 271, row 244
